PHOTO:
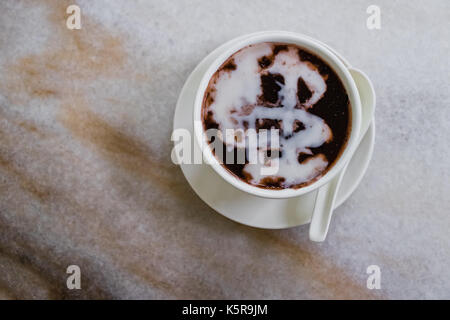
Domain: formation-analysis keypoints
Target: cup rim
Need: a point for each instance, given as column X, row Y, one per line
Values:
column 316, row 47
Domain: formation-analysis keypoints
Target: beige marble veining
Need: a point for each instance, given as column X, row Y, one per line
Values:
column 86, row 176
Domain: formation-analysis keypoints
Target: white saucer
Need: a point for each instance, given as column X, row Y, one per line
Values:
column 243, row 207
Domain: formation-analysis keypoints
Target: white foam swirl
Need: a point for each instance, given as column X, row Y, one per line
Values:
column 235, row 106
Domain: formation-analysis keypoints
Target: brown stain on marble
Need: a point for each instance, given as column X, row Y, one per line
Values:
column 80, row 56
column 25, row 125
column 27, row 183
column 323, row 269
column 303, row 260
column 34, row 284
column 44, row 267
column 27, row 253
column 43, row 263
column 29, row 127
column 84, row 54
column 49, row 74
column 74, row 55
column 48, row 195
column 124, row 151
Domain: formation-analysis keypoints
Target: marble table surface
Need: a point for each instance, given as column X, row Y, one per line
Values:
column 86, row 177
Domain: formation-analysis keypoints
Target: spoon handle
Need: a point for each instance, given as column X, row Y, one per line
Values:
column 326, row 195
column 323, row 208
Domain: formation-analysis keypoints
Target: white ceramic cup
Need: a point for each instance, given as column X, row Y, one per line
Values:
column 333, row 61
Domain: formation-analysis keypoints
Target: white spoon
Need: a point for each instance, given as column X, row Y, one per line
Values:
column 326, row 195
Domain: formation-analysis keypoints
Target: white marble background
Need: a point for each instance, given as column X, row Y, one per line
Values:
column 85, row 177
